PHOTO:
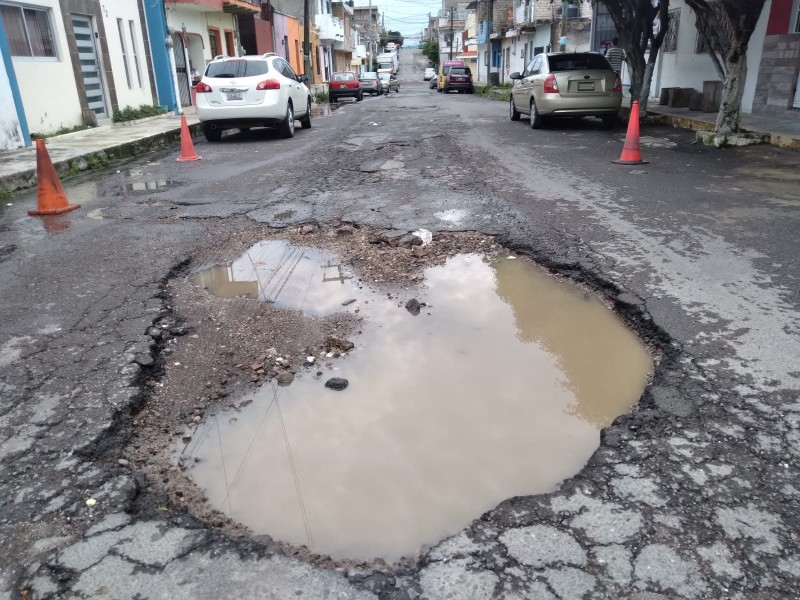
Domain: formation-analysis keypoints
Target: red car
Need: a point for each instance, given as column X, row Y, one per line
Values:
column 345, row 84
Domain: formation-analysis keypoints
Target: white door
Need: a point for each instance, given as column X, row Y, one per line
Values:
column 90, row 64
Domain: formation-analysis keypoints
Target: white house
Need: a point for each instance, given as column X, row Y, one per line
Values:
column 128, row 52
column 37, row 42
column 77, row 61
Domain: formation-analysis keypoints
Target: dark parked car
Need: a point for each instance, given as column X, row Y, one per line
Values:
column 345, row 84
column 459, row 79
column 371, row 84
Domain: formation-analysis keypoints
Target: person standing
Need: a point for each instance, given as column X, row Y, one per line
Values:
column 615, row 56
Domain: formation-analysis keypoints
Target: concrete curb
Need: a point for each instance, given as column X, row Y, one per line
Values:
column 101, row 158
column 775, row 139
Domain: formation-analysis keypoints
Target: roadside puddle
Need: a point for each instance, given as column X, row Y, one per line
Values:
column 498, row 387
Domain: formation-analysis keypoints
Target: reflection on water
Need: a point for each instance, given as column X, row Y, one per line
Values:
column 500, row 391
column 287, row 276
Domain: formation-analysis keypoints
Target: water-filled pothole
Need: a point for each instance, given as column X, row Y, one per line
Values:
column 498, row 387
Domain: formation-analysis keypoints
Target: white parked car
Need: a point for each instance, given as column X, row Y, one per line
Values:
column 252, row 91
column 430, row 73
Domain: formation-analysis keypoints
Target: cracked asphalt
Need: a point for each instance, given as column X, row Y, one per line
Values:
column 693, row 494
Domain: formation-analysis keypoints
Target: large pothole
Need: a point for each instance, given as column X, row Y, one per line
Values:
column 496, row 385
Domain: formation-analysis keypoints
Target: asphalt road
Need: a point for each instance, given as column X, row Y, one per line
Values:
column 694, row 494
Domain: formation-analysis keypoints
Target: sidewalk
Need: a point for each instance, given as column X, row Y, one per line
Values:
column 782, row 132
column 92, row 148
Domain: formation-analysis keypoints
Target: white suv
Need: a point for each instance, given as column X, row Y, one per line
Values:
column 252, row 91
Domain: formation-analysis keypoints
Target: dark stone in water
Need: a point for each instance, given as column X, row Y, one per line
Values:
column 336, row 383
column 412, row 306
column 334, row 343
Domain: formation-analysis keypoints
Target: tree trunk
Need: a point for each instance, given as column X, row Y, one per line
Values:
column 730, row 108
column 644, row 96
column 637, row 68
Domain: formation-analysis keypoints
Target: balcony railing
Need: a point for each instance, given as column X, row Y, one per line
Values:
column 330, row 28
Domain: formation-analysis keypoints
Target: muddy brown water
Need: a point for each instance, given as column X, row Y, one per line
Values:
column 498, row 388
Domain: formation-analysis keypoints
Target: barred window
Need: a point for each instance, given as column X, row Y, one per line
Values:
column 671, row 38
column 28, row 31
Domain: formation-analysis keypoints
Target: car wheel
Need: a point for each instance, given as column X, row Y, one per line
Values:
column 536, row 119
column 305, row 122
column 512, row 110
column 360, row 97
column 332, row 99
column 212, row 135
column 287, row 127
column 397, row 89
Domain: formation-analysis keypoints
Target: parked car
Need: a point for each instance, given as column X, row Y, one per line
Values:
column 371, row 83
column 389, row 82
column 430, row 72
column 444, row 69
column 458, row 79
column 566, row 85
column 345, row 84
column 252, row 91
column 434, row 83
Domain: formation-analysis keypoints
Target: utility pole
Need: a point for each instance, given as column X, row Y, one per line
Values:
column 564, row 5
column 451, row 34
column 307, row 40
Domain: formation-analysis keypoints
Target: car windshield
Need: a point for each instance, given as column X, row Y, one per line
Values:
column 384, row 76
column 577, row 62
column 237, row 68
column 369, row 76
column 344, row 77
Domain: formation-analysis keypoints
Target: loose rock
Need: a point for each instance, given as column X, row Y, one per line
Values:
column 413, row 306
column 334, row 343
column 285, row 378
column 337, row 383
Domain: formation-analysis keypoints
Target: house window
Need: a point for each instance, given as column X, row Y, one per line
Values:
column 213, row 42
column 121, row 29
column 28, row 31
column 670, row 43
column 134, row 53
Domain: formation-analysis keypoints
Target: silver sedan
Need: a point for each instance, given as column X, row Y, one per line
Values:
column 566, row 85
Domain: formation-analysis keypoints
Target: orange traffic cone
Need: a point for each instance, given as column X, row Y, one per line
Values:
column 631, row 154
column 187, row 147
column 51, row 197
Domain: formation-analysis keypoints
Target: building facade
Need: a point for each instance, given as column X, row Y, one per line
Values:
column 95, row 53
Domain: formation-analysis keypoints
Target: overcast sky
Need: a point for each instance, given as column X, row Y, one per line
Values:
column 409, row 17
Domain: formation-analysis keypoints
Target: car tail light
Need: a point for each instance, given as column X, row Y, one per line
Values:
column 550, row 84
column 203, row 88
column 269, row 84
column 617, row 85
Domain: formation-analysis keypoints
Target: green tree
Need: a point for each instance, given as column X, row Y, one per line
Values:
column 431, row 52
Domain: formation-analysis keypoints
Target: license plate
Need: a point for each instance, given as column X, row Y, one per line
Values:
column 342, row 86
column 586, row 86
column 234, row 97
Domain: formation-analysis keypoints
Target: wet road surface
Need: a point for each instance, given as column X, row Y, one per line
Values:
column 693, row 494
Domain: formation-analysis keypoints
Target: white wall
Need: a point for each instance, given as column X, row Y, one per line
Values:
column 754, row 51
column 198, row 22
column 137, row 93
column 684, row 68
column 687, row 69
column 39, row 79
column 10, row 131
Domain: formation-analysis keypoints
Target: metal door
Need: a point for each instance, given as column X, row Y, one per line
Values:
column 181, row 68
column 90, row 64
